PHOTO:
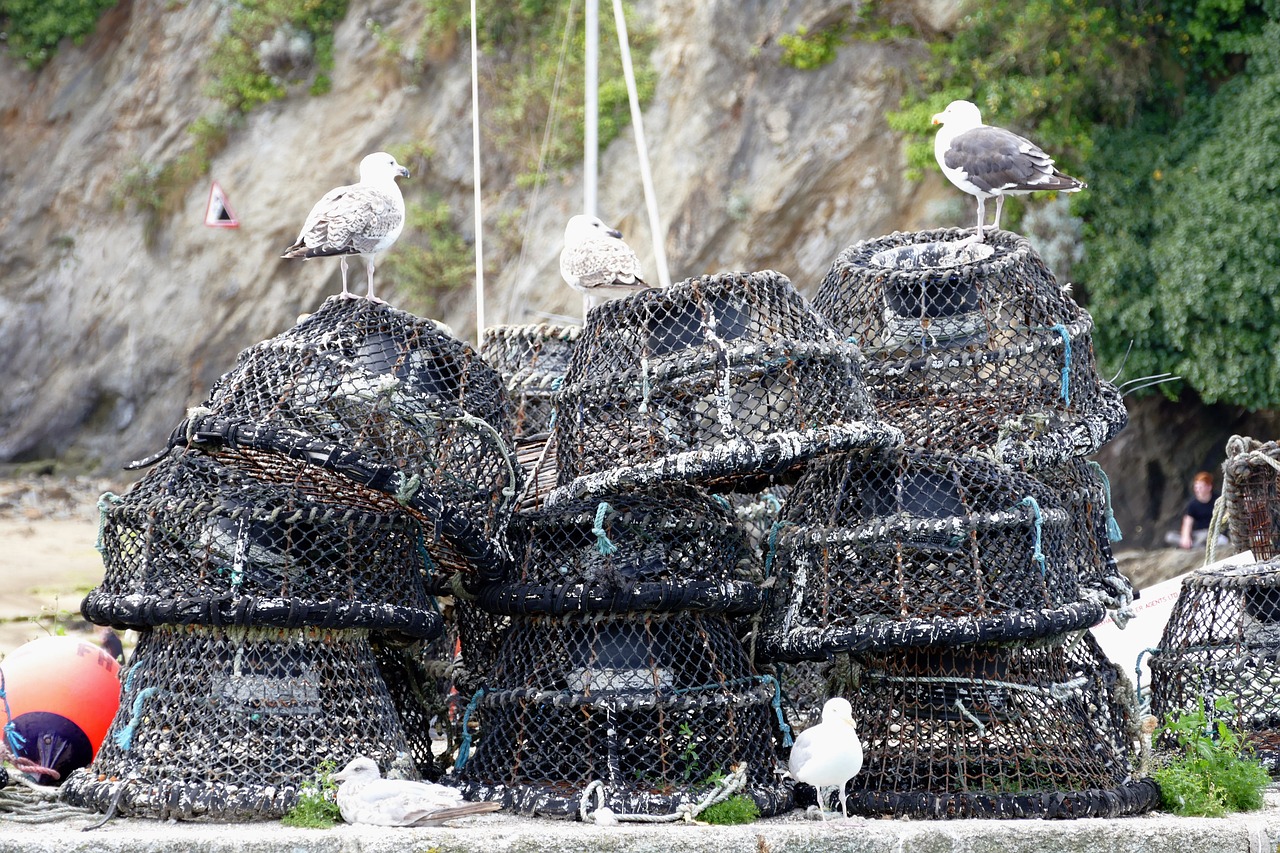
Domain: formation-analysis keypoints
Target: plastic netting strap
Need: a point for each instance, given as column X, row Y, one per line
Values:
column 603, row 545
column 1037, row 553
column 1066, row 362
column 1113, row 528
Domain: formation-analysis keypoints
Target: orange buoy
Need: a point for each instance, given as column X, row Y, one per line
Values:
column 60, row 695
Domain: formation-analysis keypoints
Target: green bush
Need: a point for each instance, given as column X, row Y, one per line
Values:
column 737, row 809
column 807, row 51
column 431, row 259
column 317, row 806
column 1212, row 773
column 33, row 28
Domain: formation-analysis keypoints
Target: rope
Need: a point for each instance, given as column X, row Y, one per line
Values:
column 1113, row 528
column 1037, row 553
column 603, row 545
column 965, row 712
column 464, row 746
column 124, row 737
column 407, row 488
column 105, row 501
column 478, row 228
column 11, row 733
column 687, row 812
column 1066, row 362
column 1137, row 673
column 1215, row 528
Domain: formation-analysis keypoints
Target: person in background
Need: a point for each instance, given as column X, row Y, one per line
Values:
column 1197, row 516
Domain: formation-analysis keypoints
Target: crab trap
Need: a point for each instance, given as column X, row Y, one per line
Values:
column 228, row 723
column 1251, row 495
column 1222, row 640
column 888, row 549
column 1041, row 730
column 723, row 381
column 972, row 346
column 532, row 361
column 648, row 712
column 394, row 388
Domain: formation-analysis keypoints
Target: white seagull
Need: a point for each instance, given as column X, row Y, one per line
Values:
column 365, row 797
column 359, row 219
column 990, row 162
column 595, row 260
column 829, row 754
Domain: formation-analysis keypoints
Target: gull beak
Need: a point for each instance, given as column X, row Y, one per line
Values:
column 403, row 172
column 614, row 232
column 937, row 118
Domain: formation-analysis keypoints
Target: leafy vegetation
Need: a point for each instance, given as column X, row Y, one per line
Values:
column 431, row 259
column 737, row 809
column 807, row 51
column 1212, row 774
column 317, row 806
column 32, row 29
column 1161, row 106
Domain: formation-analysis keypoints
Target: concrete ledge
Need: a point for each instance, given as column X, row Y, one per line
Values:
column 1158, row 833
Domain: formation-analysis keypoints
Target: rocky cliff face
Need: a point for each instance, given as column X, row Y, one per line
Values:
column 111, row 325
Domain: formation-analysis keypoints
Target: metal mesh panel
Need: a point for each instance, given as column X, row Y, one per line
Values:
column 723, row 381
column 226, row 724
column 1042, row 730
column 884, row 549
column 972, row 346
column 269, row 542
column 532, row 361
column 1251, row 495
column 656, row 707
column 1223, row 639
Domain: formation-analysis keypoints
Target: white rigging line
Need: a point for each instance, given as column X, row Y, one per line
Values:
column 475, row 176
column 591, row 120
column 642, row 150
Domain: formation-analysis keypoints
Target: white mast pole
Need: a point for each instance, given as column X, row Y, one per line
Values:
column 642, row 149
column 591, row 121
column 475, row 174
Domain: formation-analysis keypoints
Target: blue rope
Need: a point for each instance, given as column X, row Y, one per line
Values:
column 776, row 702
column 1066, row 362
column 773, row 547
column 774, row 504
column 1038, row 524
column 1137, row 673
column 124, row 737
column 723, row 501
column 11, row 733
column 603, row 545
column 1113, row 528
column 464, row 748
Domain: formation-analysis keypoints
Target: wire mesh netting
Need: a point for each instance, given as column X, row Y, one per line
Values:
column 226, row 724
column 884, row 549
column 1007, row 731
column 395, row 388
column 1251, row 495
column 1222, row 640
column 723, row 381
column 658, row 708
column 270, row 541
column 972, row 346
column 669, row 548
column 532, row 361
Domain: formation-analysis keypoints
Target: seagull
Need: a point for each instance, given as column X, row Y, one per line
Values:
column 365, row 797
column 829, row 754
column 359, row 219
column 990, row 162
column 595, row 260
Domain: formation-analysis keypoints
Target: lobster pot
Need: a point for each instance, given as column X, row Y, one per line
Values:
column 1223, row 640
column 395, row 388
column 532, row 361
column 417, row 678
column 670, row 548
column 654, row 708
column 227, row 724
column 197, row 541
column 723, row 381
column 996, row 731
column 1251, row 495
column 972, row 346
column 889, row 549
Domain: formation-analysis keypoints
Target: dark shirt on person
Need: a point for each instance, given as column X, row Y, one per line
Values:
column 1201, row 514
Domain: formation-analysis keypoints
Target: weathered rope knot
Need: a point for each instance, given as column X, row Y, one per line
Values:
column 1113, row 528
column 1037, row 523
column 603, row 545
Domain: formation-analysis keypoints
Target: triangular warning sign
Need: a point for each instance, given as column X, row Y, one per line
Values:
column 219, row 214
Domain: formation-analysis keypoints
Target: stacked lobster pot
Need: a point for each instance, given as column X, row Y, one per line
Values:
column 624, row 680
column 1251, row 496
column 945, row 587
column 1220, row 654
column 279, row 560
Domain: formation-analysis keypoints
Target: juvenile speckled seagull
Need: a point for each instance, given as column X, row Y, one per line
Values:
column 990, row 162
column 365, row 797
column 358, row 219
column 595, row 260
column 829, row 754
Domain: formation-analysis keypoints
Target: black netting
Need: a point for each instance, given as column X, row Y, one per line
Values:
column 972, row 346
column 269, row 542
column 1251, row 495
column 1039, row 730
column 657, row 708
column 394, row 388
column 721, row 380
column 1223, row 640
column 878, row 549
column 226, row 724
column 532, row 361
